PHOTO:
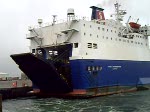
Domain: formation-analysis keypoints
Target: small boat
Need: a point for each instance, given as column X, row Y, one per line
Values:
column 134, row 25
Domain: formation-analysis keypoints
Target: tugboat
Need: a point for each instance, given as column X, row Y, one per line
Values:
column 87, row 58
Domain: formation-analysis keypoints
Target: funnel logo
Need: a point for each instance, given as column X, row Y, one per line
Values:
column 100, row 15
column 97, row 13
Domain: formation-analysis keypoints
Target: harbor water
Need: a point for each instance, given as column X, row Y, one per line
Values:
column 126, row 102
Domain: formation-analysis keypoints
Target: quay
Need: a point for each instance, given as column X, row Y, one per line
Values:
column 10, row 93
column 15, row 88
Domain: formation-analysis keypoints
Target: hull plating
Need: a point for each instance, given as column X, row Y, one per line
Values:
column 99, row 73
column 42, row 73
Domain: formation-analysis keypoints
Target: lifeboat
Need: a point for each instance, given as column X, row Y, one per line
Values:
column 134, row 25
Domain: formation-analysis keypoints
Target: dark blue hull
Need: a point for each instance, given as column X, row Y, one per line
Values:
column 83, row 77
column 100, row 73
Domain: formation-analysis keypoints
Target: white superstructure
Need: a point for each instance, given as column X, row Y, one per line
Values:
column 95, row 39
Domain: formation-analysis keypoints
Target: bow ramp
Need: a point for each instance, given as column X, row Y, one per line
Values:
column 42, row 73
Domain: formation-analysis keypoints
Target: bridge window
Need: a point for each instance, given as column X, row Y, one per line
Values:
column 55, row 52
column 75, row 45
column 89, row 45
column 94, row 46
column 39, row 52
column 50, row 52
column 33, row 50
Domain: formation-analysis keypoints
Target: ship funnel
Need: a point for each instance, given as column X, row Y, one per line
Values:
column 97, row 13
column 70, row 14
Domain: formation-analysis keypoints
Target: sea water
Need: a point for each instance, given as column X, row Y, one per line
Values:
column 125, row 102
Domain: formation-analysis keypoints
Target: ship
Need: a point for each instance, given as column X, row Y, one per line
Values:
column 85, row 58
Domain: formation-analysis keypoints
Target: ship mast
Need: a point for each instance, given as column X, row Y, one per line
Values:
column 119, row 13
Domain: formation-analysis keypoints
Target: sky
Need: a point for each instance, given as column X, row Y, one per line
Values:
column 17, row 15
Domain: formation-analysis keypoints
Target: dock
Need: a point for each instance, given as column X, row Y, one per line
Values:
column 15, row 88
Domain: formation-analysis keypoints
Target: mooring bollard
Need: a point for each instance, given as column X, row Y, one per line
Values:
column 0, row 102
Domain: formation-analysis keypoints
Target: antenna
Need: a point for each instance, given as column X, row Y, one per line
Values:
column 40, row 21
column 54, row 19
column 119, row 13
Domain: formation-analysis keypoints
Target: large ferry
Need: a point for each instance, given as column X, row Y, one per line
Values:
column 80, row 57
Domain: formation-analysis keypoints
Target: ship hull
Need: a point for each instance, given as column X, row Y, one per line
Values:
column 99, row 73
column 42, row 73
column 89, row 77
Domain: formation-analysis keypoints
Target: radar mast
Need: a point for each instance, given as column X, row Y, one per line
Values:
column 119, row 13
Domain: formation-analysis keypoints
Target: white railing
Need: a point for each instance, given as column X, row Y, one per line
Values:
column 60, row 21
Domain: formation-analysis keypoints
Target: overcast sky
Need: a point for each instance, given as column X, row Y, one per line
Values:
column 17, row 15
